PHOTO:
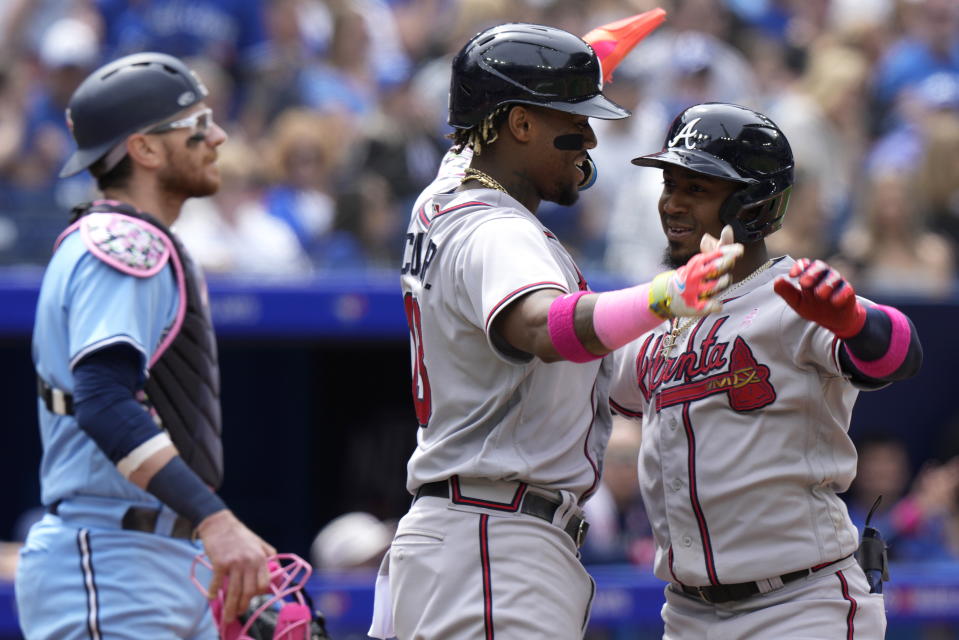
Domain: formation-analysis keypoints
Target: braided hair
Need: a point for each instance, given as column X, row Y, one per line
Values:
column 484, row 133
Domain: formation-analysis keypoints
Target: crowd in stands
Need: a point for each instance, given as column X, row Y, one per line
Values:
column 336, row 115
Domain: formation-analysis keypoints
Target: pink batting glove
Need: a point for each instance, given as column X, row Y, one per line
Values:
column 823, row 297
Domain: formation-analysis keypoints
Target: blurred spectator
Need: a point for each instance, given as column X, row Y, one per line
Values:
column 355, row 540
column 68, row 52
column 24, row 23
column 913, row 518
column 228, row 31
column 623, row 202
column 938, row 174
column 919, row 109
column 12, row 126
column 365, row 229
column 822, row 115
column 687, row 67
column 401, row 144
column 618, row 528
column 232, row 232
column 892, row 252
column 303, row 151
column 344, row 81
column 928, row 44
column 296, row 30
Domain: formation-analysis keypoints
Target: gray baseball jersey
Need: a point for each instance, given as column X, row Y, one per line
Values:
column 487, row 410
column 745, row 443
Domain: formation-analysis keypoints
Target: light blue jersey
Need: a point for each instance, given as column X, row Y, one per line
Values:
column 85, row 305
column 88, row 570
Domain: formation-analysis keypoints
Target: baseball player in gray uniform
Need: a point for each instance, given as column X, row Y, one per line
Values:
column 745, row 412
column 508, row 381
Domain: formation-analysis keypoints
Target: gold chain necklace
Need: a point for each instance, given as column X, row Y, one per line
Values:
column 671, row 338
column 483, row 179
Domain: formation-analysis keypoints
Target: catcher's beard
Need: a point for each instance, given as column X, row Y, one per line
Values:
column 174, row 179
column 183, row 177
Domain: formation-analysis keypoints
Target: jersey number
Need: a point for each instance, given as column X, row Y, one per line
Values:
column 422, row 396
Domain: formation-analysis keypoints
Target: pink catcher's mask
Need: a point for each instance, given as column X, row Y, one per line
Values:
column 285, row 592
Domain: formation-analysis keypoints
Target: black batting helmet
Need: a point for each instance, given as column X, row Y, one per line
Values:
column 528, row 64
column 734, row 143
column 123, row 97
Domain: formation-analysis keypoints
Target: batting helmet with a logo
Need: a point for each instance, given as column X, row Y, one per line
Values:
column 123, row 97
column 734, row 143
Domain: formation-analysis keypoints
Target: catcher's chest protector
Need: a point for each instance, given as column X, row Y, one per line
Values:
column 184, row 383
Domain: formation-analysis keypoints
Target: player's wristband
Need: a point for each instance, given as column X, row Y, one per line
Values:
column 181, row 489
column 562, row 329
column 621, row 316
column 883, row 325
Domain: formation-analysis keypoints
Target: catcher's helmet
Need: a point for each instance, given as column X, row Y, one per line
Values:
column 528, row 64
column 734, row 143
column 123, row 97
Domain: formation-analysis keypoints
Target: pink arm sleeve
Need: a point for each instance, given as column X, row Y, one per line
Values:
column 622, row 316
column 619, row 317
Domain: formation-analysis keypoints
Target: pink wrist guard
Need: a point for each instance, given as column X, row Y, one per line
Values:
column 896, row 352
column 622, row 316
column 562, row 330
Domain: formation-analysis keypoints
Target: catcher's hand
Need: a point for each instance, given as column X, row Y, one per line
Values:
column 239, row 560
column 691, row 290
column 823, row 296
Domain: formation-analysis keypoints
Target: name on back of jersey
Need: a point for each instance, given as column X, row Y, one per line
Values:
column 417, row 256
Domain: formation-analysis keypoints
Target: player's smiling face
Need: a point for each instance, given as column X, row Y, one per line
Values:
column 688, row 208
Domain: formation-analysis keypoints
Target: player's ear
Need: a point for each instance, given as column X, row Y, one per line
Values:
column 145, row 150
column 519, row 121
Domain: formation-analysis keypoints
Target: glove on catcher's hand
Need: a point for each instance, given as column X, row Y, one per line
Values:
column 823, row 296
column 691, row 289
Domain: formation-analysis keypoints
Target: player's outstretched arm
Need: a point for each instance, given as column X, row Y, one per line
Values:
column 584, row 326
column 880, row 343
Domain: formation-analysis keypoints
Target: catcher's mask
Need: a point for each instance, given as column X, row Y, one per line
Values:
column 734, row 143
column 527, row 64
column 123, row 97
column 285, row 613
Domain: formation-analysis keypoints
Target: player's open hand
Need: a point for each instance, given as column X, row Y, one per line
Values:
column 239, row 559
column 708, row 243
column 691, row 290
column 823, row 296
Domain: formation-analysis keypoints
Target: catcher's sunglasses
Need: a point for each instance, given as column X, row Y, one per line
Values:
column 200, row 122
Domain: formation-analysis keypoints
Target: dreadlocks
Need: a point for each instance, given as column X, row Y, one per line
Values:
column 485, row 132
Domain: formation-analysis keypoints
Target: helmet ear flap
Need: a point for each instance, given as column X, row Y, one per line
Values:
column 754, row 220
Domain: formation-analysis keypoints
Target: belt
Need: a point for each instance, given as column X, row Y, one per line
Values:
column 719, row 593
column 533, row 504
column 144, row 520
column 56, row 400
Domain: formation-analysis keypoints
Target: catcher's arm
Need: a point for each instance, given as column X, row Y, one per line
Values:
column 105, row 386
